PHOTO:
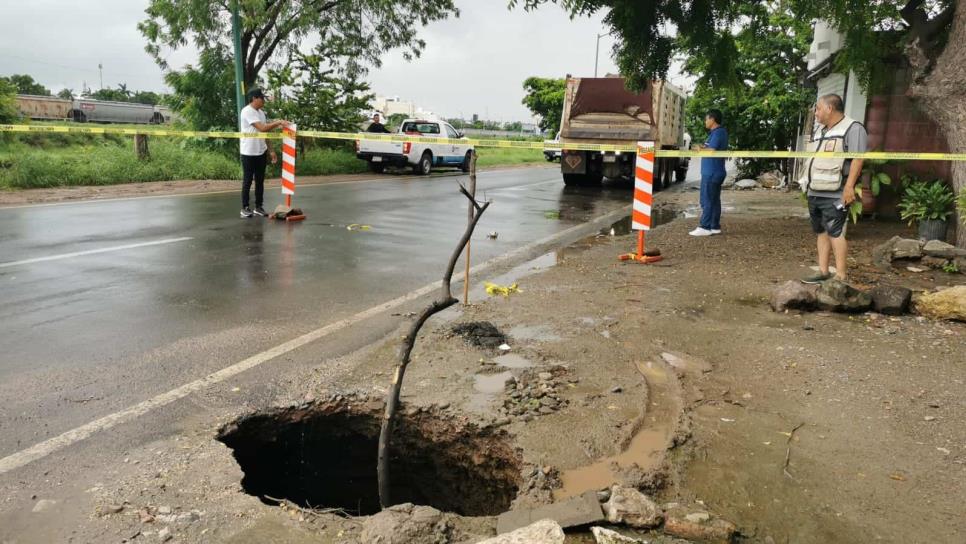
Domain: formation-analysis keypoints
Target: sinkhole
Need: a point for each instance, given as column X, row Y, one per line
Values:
column 323, row 455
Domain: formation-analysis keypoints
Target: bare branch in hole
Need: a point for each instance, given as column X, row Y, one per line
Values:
column 444, row 299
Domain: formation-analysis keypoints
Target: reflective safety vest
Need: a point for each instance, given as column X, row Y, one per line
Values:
column 827, row 174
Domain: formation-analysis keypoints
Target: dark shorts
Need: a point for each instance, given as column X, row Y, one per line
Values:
column 825, row 217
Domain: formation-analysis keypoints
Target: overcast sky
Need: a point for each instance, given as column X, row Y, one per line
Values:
column 473, row 64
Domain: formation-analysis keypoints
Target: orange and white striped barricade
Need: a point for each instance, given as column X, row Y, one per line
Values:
column 643, row 200
column 288, row 169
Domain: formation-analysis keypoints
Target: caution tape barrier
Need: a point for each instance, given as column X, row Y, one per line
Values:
column 478, row 142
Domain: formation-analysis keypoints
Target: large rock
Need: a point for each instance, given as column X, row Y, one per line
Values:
column 907, row 249
column 890, row 300
column 794, row 295
column 770, row 180
column 746, row 184
column 405, row 524
column 632, row 508
column 896, row 248
column 838, row 296
column 607, row 536
column 942, row 250
column 542, row 532
column 946, row 304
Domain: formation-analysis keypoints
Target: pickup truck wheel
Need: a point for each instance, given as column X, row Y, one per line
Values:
column 465, row 165
column 378, row 168
column 425, row 164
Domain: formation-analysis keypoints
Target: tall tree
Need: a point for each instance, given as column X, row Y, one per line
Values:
column 931, row 34
column 762, row 111
column 357, row 30
column 67, row 94
column 25, row 84
column 8, row 102
column 545, row 98
column 205, row 94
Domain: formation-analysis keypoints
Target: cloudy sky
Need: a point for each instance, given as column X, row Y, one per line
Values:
column 473, row 64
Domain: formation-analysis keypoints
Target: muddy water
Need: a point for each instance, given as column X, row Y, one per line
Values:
column 647, row 447
column 512, row 360
column 491, row 384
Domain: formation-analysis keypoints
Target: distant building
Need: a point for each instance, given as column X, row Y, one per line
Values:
column 391, row 105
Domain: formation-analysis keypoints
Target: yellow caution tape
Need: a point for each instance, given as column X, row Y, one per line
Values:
column 484, row 143
column 135, row 131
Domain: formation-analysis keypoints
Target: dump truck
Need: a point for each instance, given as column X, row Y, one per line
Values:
column 603, row 111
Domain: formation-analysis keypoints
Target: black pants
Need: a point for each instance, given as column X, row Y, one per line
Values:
column 253, row 168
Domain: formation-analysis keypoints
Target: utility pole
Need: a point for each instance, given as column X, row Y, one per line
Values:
column 239, row 71
column 100, row 70
column 597, row 51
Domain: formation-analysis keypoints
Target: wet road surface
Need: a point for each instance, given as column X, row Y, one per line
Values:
column 105, row 304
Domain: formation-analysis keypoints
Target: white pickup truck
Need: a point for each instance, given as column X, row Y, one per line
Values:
column 422, row 157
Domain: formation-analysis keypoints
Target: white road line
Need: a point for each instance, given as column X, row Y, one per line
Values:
column 43, row 449
column 93, row 251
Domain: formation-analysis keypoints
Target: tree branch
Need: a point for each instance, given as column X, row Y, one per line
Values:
column 444, row 300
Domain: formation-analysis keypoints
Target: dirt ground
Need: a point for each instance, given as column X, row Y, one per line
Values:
column 674, row 377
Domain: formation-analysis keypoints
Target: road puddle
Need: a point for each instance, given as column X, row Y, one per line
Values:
column 491, row 384
column 646, row 448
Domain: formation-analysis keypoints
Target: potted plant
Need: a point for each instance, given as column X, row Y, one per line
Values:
column 928, row 203
column 873, row 178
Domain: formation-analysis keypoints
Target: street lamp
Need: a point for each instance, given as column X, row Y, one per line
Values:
column 597, row 51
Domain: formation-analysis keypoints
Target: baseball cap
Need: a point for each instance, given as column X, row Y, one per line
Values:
column 255, row 93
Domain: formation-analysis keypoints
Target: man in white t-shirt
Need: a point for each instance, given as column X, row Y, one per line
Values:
column 255, row 152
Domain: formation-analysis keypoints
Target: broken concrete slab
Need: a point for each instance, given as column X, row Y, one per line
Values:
column 574, row 512
column 403, row 524
column 545, row 531
column 942, row 250
column 890, row 300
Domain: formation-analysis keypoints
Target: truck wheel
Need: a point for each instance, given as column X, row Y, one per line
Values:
column 425, row 164
column 378, row 168
column 465, row 165
column 669, row 165
column 680, row 174
column 593, row 179
column 548, row 157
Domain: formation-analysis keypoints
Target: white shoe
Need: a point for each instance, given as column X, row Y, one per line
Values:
column 715, row 231
column 700, row 232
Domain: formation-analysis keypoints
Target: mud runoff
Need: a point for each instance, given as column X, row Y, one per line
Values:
column 324, row 456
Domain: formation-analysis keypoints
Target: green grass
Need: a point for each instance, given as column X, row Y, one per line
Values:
column 42, row 160
column 504, row 156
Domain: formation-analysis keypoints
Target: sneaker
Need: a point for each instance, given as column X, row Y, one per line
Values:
column 715, row 231
column 246, row 212
column 700, row 232
column 817, row 278
column 260, row 211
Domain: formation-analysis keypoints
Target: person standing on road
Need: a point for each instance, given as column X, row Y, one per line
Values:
column 377, row 126
column 255, row 152
column 830, row 184
column 712, row 176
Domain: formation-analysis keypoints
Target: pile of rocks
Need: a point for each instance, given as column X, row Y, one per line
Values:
column 535, row 394
column 838, row 296
column 932, row 254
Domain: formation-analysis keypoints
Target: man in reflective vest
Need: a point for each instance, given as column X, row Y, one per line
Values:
column 830, row 184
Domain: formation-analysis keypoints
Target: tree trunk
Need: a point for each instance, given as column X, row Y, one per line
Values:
column 942, row 94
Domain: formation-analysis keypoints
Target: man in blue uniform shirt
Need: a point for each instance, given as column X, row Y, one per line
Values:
column 712, row 176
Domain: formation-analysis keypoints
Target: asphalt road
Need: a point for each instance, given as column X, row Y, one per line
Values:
column 108, row 304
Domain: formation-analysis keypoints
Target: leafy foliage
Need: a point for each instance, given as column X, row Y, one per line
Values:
column 545, row 97
column 205, row 94
column 66, row 94
column 25, row 84
column 877, row 177
column 762, row 108
column 8, row 102
column 320, row 96
column 926, row 200
column 360, row 30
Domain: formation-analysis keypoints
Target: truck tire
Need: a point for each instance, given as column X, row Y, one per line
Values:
column 668, row 177
column 465, row 165
column 680, row 173
column 377, row 168
column 425, row 164
column 593, row 179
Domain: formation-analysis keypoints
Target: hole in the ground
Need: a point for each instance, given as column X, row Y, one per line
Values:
column 324, row 456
